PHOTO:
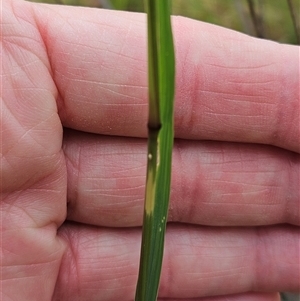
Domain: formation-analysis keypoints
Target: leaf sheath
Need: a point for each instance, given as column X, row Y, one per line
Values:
column 161, row 72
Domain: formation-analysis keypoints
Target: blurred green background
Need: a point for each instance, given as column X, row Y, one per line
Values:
column 273, row 17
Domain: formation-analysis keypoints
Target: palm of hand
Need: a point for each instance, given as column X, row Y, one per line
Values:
column 33, row 191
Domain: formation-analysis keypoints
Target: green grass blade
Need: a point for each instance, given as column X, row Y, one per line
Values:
column 161, row 71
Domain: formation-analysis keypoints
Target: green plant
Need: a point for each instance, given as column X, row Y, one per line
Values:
column 161, row 76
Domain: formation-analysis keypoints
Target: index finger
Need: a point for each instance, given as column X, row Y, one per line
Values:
column 230, row 87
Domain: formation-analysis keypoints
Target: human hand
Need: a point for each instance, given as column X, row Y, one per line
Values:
column 72, row 202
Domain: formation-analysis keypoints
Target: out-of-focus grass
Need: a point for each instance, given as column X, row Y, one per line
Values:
column 234, row 14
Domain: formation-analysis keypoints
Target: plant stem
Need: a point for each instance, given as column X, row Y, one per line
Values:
column 161, row 77
column 256, row 19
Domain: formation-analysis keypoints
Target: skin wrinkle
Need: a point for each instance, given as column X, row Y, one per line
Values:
column 235, row 297
column 110, row 285
column 72, row 202
column 193, row 78
column 294, row 180
column 102, row 194
column 28, row 182
column 176, row 259
column 45, row 35
column 241, row 68
column 21, row 200
column 285, row 89
column 243, row 181
column 73, row 274
column 255, row 81
column 116, row 177
column 30, row 265
column 15, row 47
column 72, row 196
column 258, row 259
column 86, row 100
column 33, row 61
column 198, row 88
column 238, row 101
column 22, row 66
column 173, row 214
column 181, row 81
column 31, row 38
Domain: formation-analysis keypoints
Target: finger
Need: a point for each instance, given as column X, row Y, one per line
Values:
column 102, row 263
column 212, row 183
column 229, row 86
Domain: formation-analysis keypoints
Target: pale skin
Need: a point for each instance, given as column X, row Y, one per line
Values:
column 72, row 199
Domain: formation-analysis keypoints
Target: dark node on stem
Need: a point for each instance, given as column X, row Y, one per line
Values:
column 154, row 127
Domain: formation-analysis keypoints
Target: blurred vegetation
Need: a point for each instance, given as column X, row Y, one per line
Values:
column 271, row 19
